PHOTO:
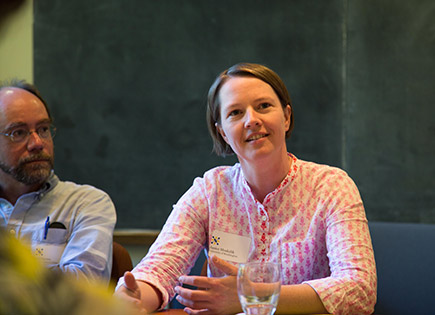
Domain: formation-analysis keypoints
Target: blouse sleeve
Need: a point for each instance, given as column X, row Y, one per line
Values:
column 351, row 287
column 178, row 245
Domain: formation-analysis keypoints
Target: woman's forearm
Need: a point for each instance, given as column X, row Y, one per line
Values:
column 150, row 297
column 299, row 299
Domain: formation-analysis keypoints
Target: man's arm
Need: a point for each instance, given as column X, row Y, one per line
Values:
column 88, row 252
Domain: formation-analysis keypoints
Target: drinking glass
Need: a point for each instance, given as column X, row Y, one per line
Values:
column 258, row 287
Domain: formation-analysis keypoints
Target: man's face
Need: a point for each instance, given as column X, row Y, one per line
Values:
column 31, row 160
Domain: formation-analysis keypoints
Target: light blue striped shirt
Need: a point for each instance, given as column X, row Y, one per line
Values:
column 69, row 226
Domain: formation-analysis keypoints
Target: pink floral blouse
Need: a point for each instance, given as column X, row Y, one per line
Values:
column 314, row 224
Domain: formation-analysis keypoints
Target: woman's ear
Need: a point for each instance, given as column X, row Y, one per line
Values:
column 287, row 115
column 221, row 131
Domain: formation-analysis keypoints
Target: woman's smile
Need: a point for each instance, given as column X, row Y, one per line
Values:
column 257, row 136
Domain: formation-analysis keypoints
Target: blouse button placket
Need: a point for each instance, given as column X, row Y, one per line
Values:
column 264, row 219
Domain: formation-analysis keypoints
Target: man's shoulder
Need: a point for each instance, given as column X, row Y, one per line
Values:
column 67, row 187
column 84, row 196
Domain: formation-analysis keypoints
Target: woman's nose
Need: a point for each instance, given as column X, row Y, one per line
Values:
column 251, row 118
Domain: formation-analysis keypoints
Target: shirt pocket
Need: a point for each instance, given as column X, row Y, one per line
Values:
column 297, row 261
column 49, row 247
column 55, row 236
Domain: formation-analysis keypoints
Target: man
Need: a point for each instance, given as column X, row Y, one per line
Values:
column 69, row 226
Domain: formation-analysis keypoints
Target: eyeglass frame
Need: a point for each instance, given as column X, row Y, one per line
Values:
column 51, row 133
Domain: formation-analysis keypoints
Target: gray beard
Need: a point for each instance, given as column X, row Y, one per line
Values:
column 29, row 175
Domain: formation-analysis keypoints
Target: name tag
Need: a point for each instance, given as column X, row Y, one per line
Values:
column 49, row 253
column 231, row 247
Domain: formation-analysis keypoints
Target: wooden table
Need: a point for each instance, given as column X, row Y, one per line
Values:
column 181, row 312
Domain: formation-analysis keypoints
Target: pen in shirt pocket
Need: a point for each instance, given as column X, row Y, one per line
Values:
column 52, row 225
column 46, row 226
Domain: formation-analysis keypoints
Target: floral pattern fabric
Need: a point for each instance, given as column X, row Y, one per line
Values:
column 314, row 224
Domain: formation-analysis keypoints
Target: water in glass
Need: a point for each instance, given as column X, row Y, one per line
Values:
column 258, row 286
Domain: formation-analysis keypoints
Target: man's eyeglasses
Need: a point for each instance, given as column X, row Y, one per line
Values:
column 22, row 134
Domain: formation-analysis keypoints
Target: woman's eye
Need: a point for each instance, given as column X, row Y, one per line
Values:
column 234, row 112
column 264, row 105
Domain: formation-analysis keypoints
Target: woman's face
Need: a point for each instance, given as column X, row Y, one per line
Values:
column 253, row 122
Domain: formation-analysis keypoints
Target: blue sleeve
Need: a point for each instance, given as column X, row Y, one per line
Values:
column 88, row 250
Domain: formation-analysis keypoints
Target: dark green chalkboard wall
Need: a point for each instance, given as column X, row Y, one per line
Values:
column 127, row 83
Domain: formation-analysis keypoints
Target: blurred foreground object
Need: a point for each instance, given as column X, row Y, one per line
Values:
column 30, row 288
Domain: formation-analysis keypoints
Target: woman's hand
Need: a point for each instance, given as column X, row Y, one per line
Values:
column 130, row 292
column 216, row 296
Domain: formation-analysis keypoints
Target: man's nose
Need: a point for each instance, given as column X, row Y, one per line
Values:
column 34, row 141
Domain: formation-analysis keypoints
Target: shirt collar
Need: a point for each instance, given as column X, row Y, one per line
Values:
column 48, row 185
column 287, row 179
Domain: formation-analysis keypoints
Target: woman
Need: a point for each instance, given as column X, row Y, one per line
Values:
column 270, row 206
